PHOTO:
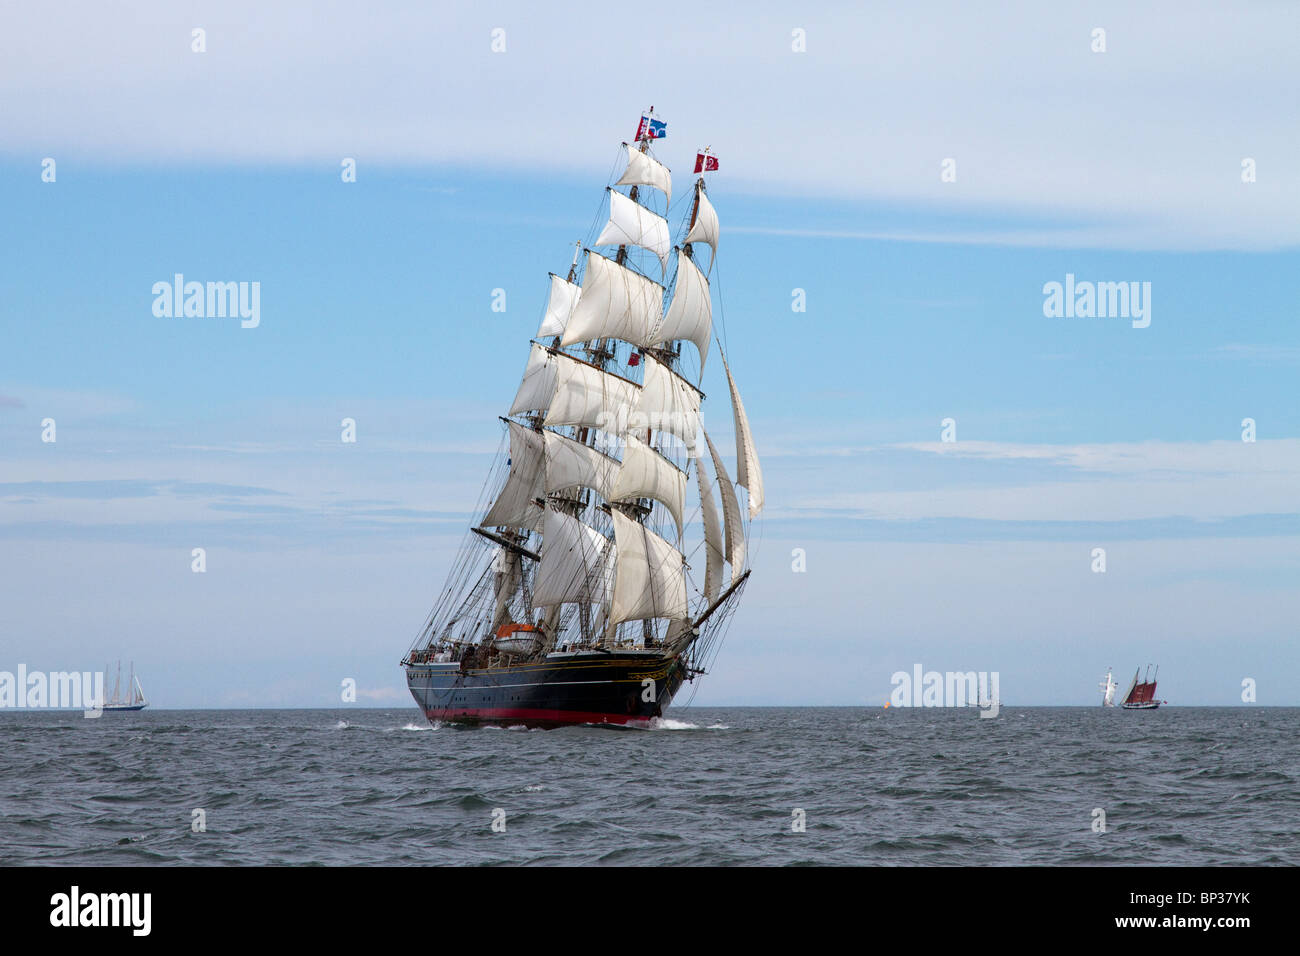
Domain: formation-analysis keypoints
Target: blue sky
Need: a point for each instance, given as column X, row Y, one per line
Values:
column 924, row 302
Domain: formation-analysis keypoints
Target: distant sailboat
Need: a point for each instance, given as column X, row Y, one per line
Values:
column 1141, row 694
column 1108, row 688
column 134, row 700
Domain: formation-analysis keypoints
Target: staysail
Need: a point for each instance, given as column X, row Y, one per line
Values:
column 733, row 532
column 748, row 473
column 712, row 532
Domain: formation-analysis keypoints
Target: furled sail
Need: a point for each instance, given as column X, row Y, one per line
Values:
column 586, row 396
column 538, row 385
column 516, row 506
column 748, row 473
column 564, row 297
column 705, row 228
column 734, row 534
column 631, row 224
column 571, row 464
column 615, row 302
column 712, row 532
column 690, row 313
column 650, row 579
column 575, row 563
column 642, row 170
column 648, row 474
column 505, row 568
column 667, row 403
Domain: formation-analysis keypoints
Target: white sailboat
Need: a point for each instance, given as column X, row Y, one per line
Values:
column 134, row 700
column 1108, row 688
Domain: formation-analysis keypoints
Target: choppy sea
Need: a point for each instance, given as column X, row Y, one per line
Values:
column 1178, row 786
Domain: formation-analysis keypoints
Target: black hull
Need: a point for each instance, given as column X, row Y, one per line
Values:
column 614, row 688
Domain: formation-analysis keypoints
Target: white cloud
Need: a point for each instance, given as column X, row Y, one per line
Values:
column 1140, row 146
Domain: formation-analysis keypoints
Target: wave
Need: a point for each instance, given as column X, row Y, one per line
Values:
column 670, row 723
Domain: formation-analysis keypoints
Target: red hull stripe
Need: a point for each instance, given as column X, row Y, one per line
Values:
column 529, row 713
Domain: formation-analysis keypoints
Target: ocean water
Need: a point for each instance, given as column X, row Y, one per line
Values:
column 1177, row 786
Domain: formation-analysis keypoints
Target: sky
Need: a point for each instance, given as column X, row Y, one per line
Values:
column 477, row 170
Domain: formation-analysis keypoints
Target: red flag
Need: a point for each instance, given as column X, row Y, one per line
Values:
column 704, row 163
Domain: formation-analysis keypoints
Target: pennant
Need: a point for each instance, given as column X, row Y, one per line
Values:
column 704, row 163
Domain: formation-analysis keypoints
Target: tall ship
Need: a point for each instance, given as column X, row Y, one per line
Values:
column 134, row 699
column 1141, row 694
column 1108, row 688
column 611, row 547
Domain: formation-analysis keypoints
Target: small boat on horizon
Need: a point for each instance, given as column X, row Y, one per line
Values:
column 134, row 700
column 1108, row 688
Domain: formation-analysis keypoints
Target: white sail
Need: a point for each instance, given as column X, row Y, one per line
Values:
column 706, row 227
column 650, row 580
column 538, row 385
column 632, row 224
column 712, row 532
column 733, row 532
column 615, row 302
column 575, row 563
column 516, row 506
column 748, row 474
column 690, row 313
column 585, row 396
column 648, row 474
column 667, row 403
column 572, row 464
column 642, row 170
column 564, row 297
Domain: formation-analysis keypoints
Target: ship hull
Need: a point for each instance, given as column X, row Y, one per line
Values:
column 1144, row 705
column 613, row 688
column 111, row 708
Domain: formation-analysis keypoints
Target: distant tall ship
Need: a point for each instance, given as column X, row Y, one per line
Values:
column 134, row 699
column 1108, row 688
column 1141, row 694
column 571, row 600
